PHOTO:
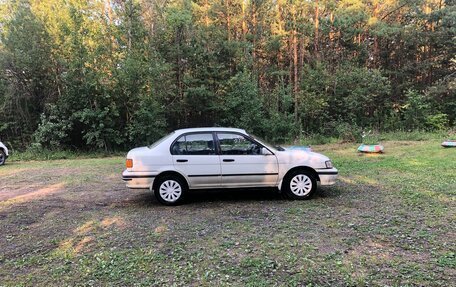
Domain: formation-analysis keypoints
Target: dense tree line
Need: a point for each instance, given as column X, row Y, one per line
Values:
column 112, row 74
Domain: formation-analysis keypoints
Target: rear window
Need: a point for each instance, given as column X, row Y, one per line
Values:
column 160, row 140
column 194, row 144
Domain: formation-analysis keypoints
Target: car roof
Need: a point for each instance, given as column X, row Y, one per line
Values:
column 210, row 129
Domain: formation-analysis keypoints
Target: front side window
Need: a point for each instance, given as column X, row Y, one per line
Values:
column 194, row 144
column 236, row 144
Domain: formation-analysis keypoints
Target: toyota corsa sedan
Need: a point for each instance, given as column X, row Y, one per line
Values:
column 206, row 158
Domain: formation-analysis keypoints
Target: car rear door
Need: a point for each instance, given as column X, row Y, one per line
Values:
column 194, row 155
column 243, row 164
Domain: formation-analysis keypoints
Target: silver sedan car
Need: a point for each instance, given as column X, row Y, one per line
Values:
column 206, row 158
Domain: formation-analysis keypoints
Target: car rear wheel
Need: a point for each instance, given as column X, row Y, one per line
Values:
column 170, row 190
column 300, row 185
column 2, row 157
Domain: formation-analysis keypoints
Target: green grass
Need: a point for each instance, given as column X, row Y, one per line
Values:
column 45, row 154
column 389, row 221
column 375, row 138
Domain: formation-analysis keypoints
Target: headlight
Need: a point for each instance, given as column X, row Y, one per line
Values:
column 328, row 164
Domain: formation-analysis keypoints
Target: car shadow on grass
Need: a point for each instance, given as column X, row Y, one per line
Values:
column 257, row 194
column 214, row 195
column 337, row 190
column 207, row 196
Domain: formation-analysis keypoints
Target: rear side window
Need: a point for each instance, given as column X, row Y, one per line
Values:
column 194, row 144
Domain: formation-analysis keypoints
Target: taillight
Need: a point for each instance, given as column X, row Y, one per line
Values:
column 129, row 163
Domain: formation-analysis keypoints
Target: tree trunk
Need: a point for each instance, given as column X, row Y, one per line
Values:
column 130, row 24
column 228, row 19
column 317, row 15
column 244, row 24
column 206, row 11
column 295, row 65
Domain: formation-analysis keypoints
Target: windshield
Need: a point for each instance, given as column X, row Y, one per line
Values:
column 268, row 145
column 160, row 140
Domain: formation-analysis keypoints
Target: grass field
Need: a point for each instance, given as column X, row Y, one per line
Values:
column 390, row 220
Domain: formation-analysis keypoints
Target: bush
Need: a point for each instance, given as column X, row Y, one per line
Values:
column 437, row 122
column 280, row 128
column 415, row 110
column 359, row 95
column 316, row 139
column 416, row 135
column 52, row 132
column 344, row 131
column 370, row 138
column 37, row 152
column 147, row 124
column 99, row 128
column 242, row 105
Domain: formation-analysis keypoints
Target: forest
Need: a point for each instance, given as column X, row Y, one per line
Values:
column 112, row 74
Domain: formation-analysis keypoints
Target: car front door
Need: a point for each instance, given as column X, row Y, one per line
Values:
column 194, row 155
column 245, row 163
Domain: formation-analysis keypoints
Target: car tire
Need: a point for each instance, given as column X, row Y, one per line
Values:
column 170, row 190
column 2, row 157
column 300, row 184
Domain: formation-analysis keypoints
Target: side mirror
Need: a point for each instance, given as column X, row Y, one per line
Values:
column 265, row 151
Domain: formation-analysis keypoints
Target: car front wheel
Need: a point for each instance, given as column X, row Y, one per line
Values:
column 2, row 157
column 170, row 190
column 300, row 185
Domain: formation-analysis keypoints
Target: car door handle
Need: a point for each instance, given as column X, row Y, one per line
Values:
column 228, row 160
column 182, row 160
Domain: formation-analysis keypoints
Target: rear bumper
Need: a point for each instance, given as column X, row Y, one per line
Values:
column 328, row 176
column 138, row 180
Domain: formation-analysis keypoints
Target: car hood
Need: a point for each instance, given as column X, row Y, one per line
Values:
column 304, row 157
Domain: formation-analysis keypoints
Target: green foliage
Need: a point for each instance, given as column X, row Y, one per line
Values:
column 315, row 96
column 417, row 135
column 447, row 260
column 121, row 75
column 437, row 121
column 147, row 124
column 443, row 95
column 99, row 127
column 52, row 132
column 178, row 17
column 370, row 138
column 418, row 112
column 279, row 127
column 37, row 152
column 316, row 139
column 26, row 76
column 242, row 104
column 360, row 95
column 347, row 132
column 415, row 110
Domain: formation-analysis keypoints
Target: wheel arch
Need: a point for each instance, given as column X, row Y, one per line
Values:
column 4, row 151
column 302, row 168
column 168, row 173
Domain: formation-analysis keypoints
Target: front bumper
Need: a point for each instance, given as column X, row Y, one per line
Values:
column 138, row 180
column 328, row 176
